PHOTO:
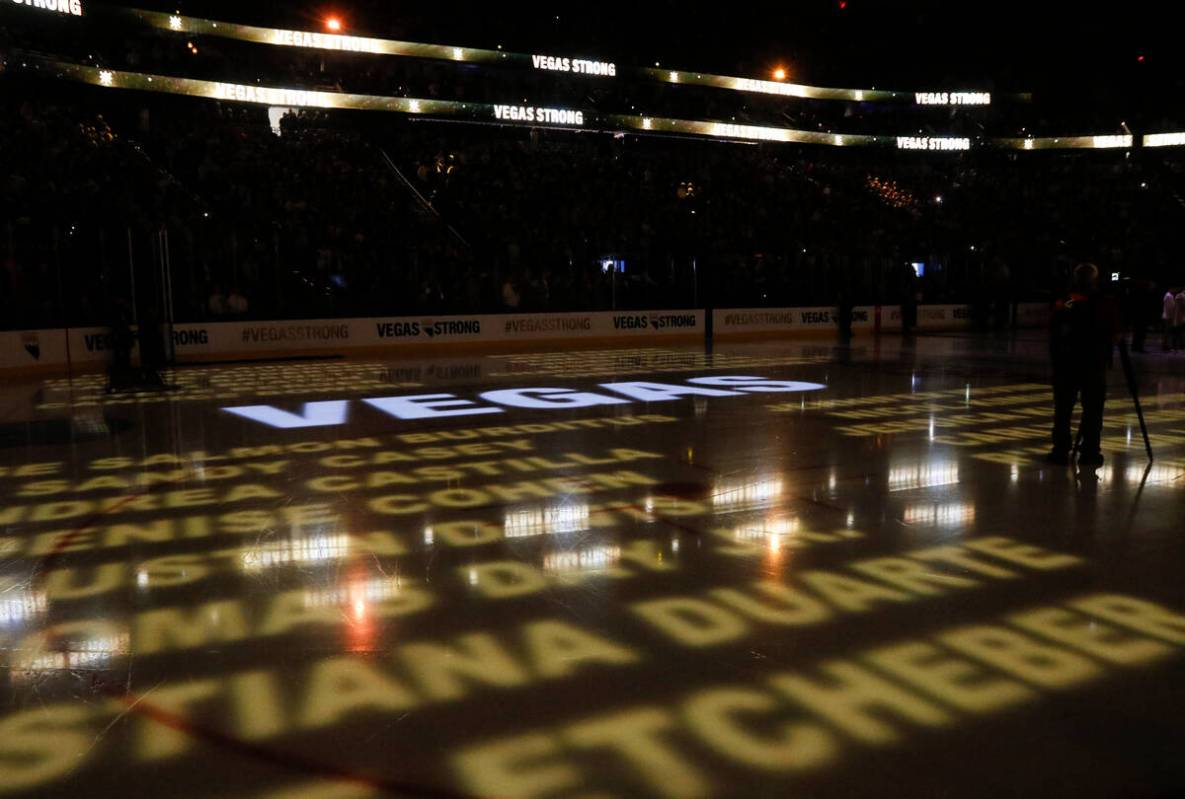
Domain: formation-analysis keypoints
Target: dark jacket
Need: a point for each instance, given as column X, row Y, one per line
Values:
column 1082, row 333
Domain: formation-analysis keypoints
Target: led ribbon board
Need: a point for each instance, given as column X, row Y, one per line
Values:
column 535, row 115
column 1164, row 140
column 71, row 7
column 543, row 62
column 953, row 98
column 1100, row 142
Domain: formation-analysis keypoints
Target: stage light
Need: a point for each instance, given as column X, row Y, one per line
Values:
column 780, row 73
column 334, row 24
column 1140, row 59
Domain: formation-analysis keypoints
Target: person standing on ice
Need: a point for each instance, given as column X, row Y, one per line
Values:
column 1082, row 339
column 1168, row 316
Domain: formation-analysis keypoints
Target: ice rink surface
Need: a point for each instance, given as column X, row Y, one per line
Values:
column 650, row 583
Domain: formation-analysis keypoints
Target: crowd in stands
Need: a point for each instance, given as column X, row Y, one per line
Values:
column 210, row 209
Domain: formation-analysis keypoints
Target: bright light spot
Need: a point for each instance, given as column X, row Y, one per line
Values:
column 743, row 494
column 851, row 520
column 940, row 515
column 175, row 23
column 839, row 141
column 334, row 24
column 1015, row 473
column 106, row 78
column 550, row 520
column 763, row 529
column 780, row 73
column 312, row 549
column 142, row 578
column 20, row 605
column 647, row 124
column 1028, row 144
column 588, row 559
column 359, row 609
column 674, row 77
column 429, row 536
column 923, row 474
column 938, row 199
column 458, row 53
column 415, row 106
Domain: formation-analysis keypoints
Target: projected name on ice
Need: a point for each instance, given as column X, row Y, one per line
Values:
column 578, row 66
column 73, row 7
column 928, row 143
column 439, row 406
column 954, row 98
column 526, row 113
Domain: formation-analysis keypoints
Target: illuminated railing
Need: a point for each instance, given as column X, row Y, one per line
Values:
column 1164, row 140
column 1100, row 142
column 544, row 116
column 544, row 62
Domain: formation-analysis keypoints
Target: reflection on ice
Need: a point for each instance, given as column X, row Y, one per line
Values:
column 549, row 520
column 318, row 548
column 21, row 605
column 87, row 653
column 1159, row 473
column 762, row 529
column 740, row 494
column 353, row 594
column 1169, row 472
column 940, row 514
column 585, row 559
column 923, row 474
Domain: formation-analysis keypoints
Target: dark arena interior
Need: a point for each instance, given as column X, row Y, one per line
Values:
column 596, row 400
